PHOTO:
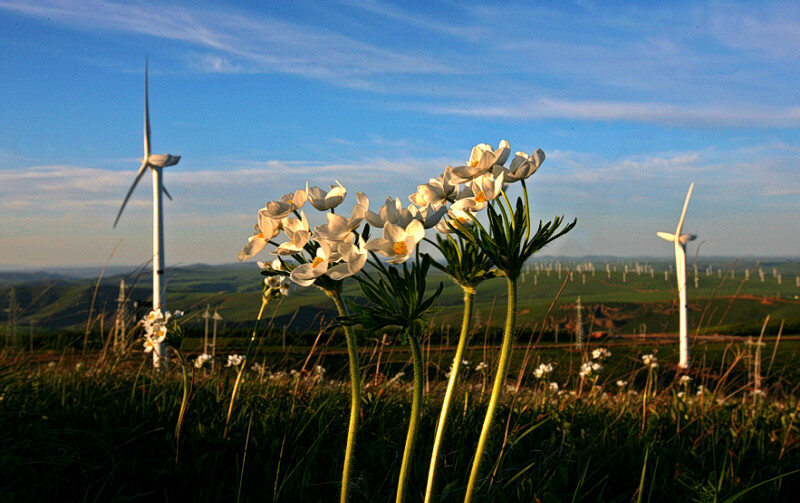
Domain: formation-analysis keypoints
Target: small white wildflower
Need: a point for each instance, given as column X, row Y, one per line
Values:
column 201, row 360
column 234, row 360
column 543, row 370
column 553, row 386
column 684, row 380
column 621, row 383
column 681, row 394
column 600, row 353
column 284, row 288
column 700, row 390
column 273, row 281
column 650, row 360
column 481, row 366
column 51, row 364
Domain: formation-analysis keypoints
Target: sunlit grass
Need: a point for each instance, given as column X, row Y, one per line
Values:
column 104, row 430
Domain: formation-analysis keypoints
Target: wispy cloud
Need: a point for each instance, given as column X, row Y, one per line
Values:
column 239, row 41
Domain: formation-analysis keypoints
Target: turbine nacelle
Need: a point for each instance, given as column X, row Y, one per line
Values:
column 162, row 160
column 683, row 239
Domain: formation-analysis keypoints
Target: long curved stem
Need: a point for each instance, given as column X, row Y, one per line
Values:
column 469, row 301
column 502, row 368
column 413, row 424
column 264, row 302
column 355, row 397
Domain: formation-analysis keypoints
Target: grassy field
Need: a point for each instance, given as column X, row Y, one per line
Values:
column 102, row 428
column 84, row 420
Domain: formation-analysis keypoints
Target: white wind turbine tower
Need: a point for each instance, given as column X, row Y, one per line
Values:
column 155, row 162
column 680, row 241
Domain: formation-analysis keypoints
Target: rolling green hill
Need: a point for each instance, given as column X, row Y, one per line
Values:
column 618, row 297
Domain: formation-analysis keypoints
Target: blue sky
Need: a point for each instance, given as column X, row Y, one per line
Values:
column 631, row 103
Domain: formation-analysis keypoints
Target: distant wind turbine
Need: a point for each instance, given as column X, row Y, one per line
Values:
column 680, row 241
column 155, row 162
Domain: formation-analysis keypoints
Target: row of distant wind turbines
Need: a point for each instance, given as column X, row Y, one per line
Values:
column 156, row 162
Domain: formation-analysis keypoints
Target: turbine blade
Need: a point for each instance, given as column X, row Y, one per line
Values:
column 130, row 191
column 683, row 213
column 146, row 115
column 666, row 235
column 166, row 193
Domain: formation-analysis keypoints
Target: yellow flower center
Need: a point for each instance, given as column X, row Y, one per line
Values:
column 400, row 248
column 463, row 220
column 480, row 197
column 317, row 261
column 472, row 164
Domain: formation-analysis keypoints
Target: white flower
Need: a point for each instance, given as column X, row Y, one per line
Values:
column 398, row 243
column 274, row 281
column 553, row 386
column 650, row 361
column 353, row 257
column 485, row 188
column 305, row 274
column 284, row 289
column 600, row 353
column 543, row 370
column 437, row 191
column 388, row 213
column 684, row 380
column 202, row 359
column 324, row 201
column 266, row 229
column 680, row 394
column 296, row 230
column 481, row 366
column 234, row 360
column 700, row 390
column 463, row 217
column 522, row 166
column 340, row 229
column 287, row 204
column 482, row 158
column 590, row 369
column 621, row 383
column 429, row 216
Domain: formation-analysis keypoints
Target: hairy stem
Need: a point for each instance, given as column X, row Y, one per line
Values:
column 469, row 301
column 413, row 424
column 355, row 397
column 500, row 377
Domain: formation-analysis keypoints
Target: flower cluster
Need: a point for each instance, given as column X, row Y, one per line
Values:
column 601, row 354
column 590, row 370
column 201, row 360
column 650, row 361
column 543, row 370
column 234, row 360
column 155, row 328
column 337, row 250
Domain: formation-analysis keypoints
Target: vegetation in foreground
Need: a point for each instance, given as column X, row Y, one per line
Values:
column 97, row 430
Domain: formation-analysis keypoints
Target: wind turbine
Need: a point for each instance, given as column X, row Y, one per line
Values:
column 680, row 241
column 155, row 162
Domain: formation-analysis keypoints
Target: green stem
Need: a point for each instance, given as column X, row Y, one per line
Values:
column 469, row 301
column 264, row 302
column 355, row 397
column 413, row 424
column 502, row 369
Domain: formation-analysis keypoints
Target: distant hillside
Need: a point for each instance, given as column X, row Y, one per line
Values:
column 618, row 296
